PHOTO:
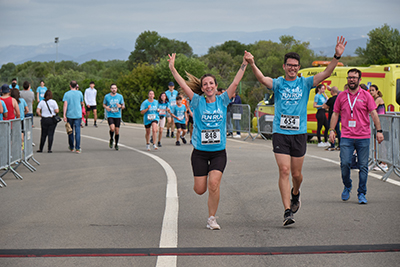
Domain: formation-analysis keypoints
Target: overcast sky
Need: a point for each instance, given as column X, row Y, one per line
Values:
column 32, row 22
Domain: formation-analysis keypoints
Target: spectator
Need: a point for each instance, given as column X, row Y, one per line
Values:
column 40, row 91
column 10, row 102
column 91, row 104
column 29, row 97
column 72, row 109
column 329, row 105
column 46, row 109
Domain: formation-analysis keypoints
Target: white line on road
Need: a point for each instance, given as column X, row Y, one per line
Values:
column 169, row 230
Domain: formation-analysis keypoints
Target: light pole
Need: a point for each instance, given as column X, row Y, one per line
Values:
column 56, row 41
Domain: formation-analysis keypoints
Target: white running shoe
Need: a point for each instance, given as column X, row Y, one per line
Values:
column 321, row 144
column 212, row 223
column 327, row 144
column 155, row 147
column 148, row 147
column 237, row 136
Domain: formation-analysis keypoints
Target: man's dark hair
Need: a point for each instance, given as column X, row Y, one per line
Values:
column 92, row 82
column 178, row 98
column 355, row 70
column 26, row 85
column 14, row 79
column 293, row 55
column 112, row 85
column 73, row 84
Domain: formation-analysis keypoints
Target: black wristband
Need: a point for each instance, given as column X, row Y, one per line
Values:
column 379, row 131
column 334, row 55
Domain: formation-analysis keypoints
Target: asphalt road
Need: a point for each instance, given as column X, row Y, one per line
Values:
column 137, row 208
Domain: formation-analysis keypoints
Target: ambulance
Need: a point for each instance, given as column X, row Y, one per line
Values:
column 386, row 77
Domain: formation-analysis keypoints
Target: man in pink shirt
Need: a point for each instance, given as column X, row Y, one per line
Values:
column 355, row 105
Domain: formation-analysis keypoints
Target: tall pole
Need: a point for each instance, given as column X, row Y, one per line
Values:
column 56, row 41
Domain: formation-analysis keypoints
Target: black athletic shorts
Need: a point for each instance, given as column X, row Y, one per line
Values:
column 91, row 108
column 180, row 126
column 293, row 145
column 204, row 161
column 115, row 121
column 147, row 126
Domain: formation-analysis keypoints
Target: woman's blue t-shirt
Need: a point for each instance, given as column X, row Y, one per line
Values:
column 152, row 113
column 319, row 99
column 209, row 127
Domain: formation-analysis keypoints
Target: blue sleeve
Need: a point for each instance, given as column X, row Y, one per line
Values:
column 310, row 82
column 225, row 99
column 316, row 98
column 143, row 105
column 195, row 101
column 105, row 100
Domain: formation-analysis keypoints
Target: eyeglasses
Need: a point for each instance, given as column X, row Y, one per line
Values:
column 292, row 65
column 353, row 78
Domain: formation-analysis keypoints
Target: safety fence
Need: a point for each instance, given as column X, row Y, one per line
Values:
column 16, row 146
column 388, row 151
column 238, row 119
column 264, row 122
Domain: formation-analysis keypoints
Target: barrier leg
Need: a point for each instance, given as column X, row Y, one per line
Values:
column 34, row 160
column 29, row 166
column 2, row 183
column 387, row 174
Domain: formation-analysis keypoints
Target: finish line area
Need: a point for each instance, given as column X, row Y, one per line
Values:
column 200, row 251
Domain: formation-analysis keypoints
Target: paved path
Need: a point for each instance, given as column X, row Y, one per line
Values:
column 132, row 207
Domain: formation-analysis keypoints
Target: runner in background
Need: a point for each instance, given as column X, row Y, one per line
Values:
column 171, row 94
column 113, row 104
column 149, row 109
column 163, row 109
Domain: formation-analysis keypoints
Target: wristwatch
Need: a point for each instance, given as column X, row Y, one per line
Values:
column 332, row 130
column 334, row 55
column 379, row 131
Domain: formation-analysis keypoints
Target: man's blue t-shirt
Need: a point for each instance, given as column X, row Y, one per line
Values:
column 74, row 99
column 180, row 113
column 22, row 104
column 162, row 109
column 171, row 97
column 5, row 110
column 41, row 91
column 209, row 127
column 152, row 113
column 112, row 102
column 291, row 99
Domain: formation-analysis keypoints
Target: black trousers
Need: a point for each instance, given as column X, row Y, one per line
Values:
column 48, row 129
column 322, row 121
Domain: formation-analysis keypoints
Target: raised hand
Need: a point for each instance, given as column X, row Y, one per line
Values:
column 248, row 57
column 171, row 60
column 340, row 45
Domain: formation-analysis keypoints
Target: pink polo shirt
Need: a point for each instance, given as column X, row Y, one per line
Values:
column 362, row 107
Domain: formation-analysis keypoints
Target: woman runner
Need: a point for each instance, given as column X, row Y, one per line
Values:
column 209, row 133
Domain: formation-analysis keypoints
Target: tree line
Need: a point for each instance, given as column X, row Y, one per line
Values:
column 147, row 67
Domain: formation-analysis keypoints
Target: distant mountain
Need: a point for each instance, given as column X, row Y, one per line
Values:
column 83, row 49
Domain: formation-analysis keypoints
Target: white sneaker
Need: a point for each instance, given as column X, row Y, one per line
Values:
column 148, row 147
column 384, row 166
column 327, row 144
column 237, row 136
column 155, row 147
column 321, row 144
column 212, row 223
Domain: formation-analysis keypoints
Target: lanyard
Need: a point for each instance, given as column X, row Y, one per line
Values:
column 352, row 106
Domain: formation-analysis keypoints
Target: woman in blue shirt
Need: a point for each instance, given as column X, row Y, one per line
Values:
column 149, row 109
column 163, row 107
column 319, row 100
column 209, row 133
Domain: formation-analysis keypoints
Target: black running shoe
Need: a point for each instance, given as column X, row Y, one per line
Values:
column 111, row 143
column 177, row 143
column 183, row 139
column 288, row 217
column 172, row 135
column 295, row 202
column 159, row 144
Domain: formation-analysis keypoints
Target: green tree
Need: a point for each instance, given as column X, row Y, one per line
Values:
column 233, row 48
column 183, row 64
column 150, row 47
column 134, row 87
column 383, row 46
column 7, row 72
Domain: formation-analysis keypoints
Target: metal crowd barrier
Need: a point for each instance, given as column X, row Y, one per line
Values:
column 388, row 151
column 238, row 119
column 264, row 123
column 12, row 151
